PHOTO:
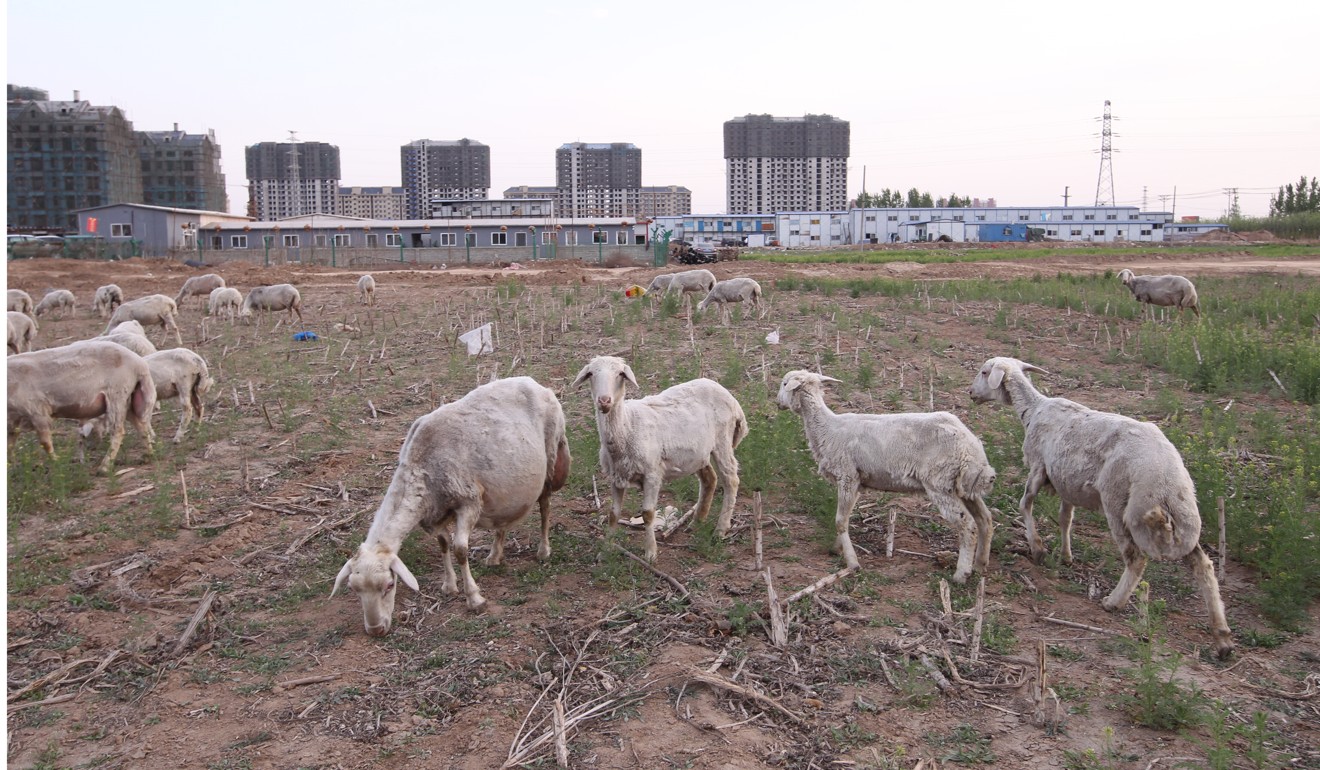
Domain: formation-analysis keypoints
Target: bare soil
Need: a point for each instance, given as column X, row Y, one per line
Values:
column 276, row 675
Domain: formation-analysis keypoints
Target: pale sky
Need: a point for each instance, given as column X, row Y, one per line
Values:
column 990, row 99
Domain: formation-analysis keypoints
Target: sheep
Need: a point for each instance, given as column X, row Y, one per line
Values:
column 366, row 287
column 685, row 281
column 1111, row 463
column 150, row 310
column 58, row 299
column 22, row 328
column 107, row 298
column 930, row 452
column 732, row 290
column 226, row 299
column 281, row 296
column 199, row 286
column 20, row 301
column 138, row 343
column 692, row 427
column 81, row 381
column 180, row 373
column 128, row 327
column 1164, row 290
column 481, row 461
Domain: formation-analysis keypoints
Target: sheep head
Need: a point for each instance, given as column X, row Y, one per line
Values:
column 609, row 376
column 798, row 383
column 988, row 385
column 372, row 573
column 1126, row 276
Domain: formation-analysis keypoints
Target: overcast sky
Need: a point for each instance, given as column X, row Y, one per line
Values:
column 991, row 99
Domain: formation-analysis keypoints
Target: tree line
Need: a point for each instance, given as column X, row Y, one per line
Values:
column 914, row 199
column 1302, row 198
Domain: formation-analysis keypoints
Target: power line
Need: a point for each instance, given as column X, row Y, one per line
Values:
column 1104, row 184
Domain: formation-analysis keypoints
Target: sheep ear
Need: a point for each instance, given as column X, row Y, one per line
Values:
column 398, row 567
column 1026, row 367
column 824, row 378
column 343, row 575
column 582, row 375
column 996, row 376
column 628, row 372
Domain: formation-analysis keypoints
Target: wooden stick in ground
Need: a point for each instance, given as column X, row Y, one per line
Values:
column 1223, row 541
column 187, row 515
column 561, row 740
column 824, row 582
column 715, row 680
column 941, row 681
column 682, row 589
column 1082, row 626
column 980, row 617
column 308, row 680
column 756, row 527
column 945, row 603
column 197, row 618
column 778, row 628
column 889, row 536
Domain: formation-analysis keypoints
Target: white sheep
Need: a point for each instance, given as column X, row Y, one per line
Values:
column 152, row 310
column 930, row 452
column 128, row 327
column 692, row 427
column 481, row 461
column 685, row 281
column 281, row 296
column 225, row 299
column 58, row 299
column 733, row 290
column 366, row 287
column 107, row 298
column 81, row 381
column 1106, row 462
column 20, row 301
column 138, row 343
column 1164, row 290
column 199, row 286
column 180, row 373
column 22, row 330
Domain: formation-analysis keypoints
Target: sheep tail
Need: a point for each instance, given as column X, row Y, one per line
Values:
column 195, row 393
column 740, row 430
column 976, row 480
column 563, row 461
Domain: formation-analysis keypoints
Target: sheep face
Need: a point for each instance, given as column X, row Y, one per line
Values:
column 609, row 376
column 1126, row 276
column 988, row 385
column 796, row 384
column 372, row 573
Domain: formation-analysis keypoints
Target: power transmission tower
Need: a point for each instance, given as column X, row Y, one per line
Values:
column 1234, row 210
column 294, row 174
column 1104, row 185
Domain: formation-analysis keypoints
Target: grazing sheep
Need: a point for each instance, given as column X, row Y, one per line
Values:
column 689, row 428
column 481, row 461
column 20, row 301
column 1111, row 463
column 22, row 329
column 733, row 290
column 1164, row 290
column 180, row 373
column 128, row 327
column 199, row 286
column 367, row 290
column 59, row 299
column 930, row 452
column 686, row 281
column 152, row 310
column 81, row 381
column 107, row 298
column 138, row 343
column 281, row 296
column 224, row 299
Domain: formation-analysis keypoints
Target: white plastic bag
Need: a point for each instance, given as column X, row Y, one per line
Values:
column 478, row 340
column 773, row 337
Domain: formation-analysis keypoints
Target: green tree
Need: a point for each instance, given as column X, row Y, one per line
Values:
column 1301, row 198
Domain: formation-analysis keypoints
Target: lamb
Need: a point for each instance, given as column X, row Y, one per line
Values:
column 81, row 381
column 481, row 461
column 152, row 310
column 930, row 452
column 684, row 282
column 58, row 299
column 199, row 286
column 22, row 329
column 180, row 373
column 733, row 290
column 367, row 290
column 20, row 301
column 692, row 427
column 1111, row 463
column 224, row 299
column 281, row 296
column 107, row 298
column 1164, row 290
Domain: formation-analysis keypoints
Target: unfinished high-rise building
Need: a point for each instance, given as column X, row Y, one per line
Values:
column 290, row 179
column 599, row 180
column 182, row 170
column 448, row 170
column 786, row 164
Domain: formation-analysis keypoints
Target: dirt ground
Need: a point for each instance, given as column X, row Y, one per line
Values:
column 208, row 640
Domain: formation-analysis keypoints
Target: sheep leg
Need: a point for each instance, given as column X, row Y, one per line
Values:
column 1204, row 573
column 1035, row 481
column 464, row 521
column 496, row 556
column 450, row 585
column 726, row 467
column 616, row 509
column 985, row 528
column 650, row 497
column 705, row 492
column 186, row 407
column 960, row 518
column 116, row 438
column 543, row 551
column 848, row 491
column 1134, row 564
column 1065, row 530
column 43, row 429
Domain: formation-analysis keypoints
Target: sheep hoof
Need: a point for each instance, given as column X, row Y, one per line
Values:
column 543, row 553
column 1224, row 649
column 1109, row 605
column 477, row 605
column 960, row 579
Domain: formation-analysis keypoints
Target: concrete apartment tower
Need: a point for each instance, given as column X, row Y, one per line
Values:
column 289, row 179
column 786, row 164
column 599, row 180
column 447, row 170
column 182, row 170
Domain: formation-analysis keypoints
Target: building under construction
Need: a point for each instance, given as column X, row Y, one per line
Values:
column 290, row 179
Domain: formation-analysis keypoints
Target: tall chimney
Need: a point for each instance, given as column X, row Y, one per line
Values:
column 75, row 94
column 176, row 128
